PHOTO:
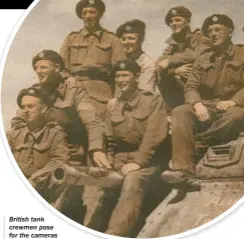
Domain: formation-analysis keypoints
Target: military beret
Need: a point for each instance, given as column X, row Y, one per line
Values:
column 126, row 65
column 48, row 55
column 35, row 91
column 98, row 4
column 216, row 19
column 133, row 26
column 93, row 73
column 177, row 11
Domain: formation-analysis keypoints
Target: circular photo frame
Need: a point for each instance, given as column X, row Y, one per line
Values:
column 126, row 118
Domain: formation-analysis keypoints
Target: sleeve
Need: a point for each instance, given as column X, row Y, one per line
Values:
column 64, row 52
column 192, row 94
column 147, row 78
column 117, row 51
column 59, row 154
column 155, row 133
column 199, row 43
column 92, row 123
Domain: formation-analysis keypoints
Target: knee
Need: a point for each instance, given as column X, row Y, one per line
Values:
column 182, row 110
column 235, row 113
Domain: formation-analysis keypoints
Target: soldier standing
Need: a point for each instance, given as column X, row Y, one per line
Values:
column 175, row 64
column 92, row 45
column 213, row 113
column 136, row 126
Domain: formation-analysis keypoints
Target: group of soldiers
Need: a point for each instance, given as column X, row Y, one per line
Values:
column 102, row 101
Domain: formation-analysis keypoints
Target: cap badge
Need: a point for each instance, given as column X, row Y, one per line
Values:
column 91, row 2
column 31, row 91
column 215, row 18
column 122, row 65
column 128, row 28
column 173, row 12
column 41, row 54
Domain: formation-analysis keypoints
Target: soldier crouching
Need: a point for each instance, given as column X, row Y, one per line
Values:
column 214, row 95
column 134, row 130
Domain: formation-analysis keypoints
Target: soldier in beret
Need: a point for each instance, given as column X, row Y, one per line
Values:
column 214, row 95
column 132, row 34
column 175, row 64
column 36, row 144
column 92, row 45
column 137, row 126
column 72, row 105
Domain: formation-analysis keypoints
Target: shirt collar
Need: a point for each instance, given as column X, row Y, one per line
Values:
column 133, row 101
column 97, row 33
column 171, row 40
column 36, row 135
column 229, row 54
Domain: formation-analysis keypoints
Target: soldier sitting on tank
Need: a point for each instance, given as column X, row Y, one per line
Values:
column 134, row 129
column 175, row 64
column 213, row 113
column 72, row 109
column 37, row 145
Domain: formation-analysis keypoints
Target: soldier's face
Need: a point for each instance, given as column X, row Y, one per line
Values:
column 131, row 42
column 32, row 107
column 90, row 16
column 125, row 81
column 218, row 34
column 46, row 70
column 178, row 24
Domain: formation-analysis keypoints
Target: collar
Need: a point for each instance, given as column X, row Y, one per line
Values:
column 133, row 101
column 135, row 56
column 36, row 135
column 229, row 54
column 61, row 91
column 98, row 34
column 171, row 40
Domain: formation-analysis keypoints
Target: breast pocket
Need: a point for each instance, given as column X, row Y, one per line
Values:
column 78, row 53
column 102, row 54
column 41, row 154
column 234, row 72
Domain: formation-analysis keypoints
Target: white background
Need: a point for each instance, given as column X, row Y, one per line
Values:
column 16, row 198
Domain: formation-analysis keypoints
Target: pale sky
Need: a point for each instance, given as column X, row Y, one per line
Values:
column 52, row 20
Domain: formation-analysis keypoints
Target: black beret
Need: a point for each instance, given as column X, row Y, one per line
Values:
column 126, row 65
column 177, row 11
column 36, row 91
column 133, row 26
column 93, row 73
column 216, row 19
column 98, row 4
column 48, row 55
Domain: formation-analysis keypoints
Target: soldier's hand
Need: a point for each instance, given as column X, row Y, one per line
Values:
column 184, row 71
column 76, row 151
column 101, row 160
column 71, row 82
column 201, row 112
column 225, row 104
column 163, row 64
column 129, row 167
column 112, row 104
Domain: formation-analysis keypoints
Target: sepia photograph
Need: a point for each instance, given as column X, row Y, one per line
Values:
column 128, row 116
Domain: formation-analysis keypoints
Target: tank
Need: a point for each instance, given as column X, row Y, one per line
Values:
column 218, row 186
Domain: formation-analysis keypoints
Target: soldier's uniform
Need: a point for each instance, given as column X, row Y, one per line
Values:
column 38, row 151
column 136, row 127
column 179, row 53
column 214, row 78
column 100, row 49
column 147, row 78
